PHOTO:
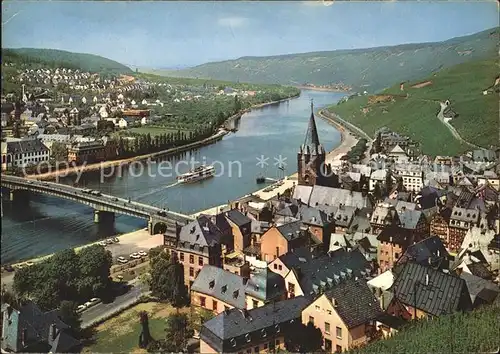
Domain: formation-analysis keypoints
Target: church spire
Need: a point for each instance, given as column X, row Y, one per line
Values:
column 312, row 139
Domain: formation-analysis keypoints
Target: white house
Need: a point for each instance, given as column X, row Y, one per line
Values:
column 144, row 102
column 23, row 153
column 126, row 122
column 398, row 154
column 84, row 100
column 378, row 176
column 70, row 101
column 145, row 120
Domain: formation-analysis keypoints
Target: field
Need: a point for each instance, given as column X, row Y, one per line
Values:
column 415, row 115
column 475, row 332
column 121, row 333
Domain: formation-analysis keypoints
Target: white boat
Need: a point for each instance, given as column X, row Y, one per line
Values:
column 197, row 174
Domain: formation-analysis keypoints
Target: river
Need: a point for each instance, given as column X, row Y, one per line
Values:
column 50, row 224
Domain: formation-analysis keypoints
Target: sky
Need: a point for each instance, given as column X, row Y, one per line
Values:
column 179, row 34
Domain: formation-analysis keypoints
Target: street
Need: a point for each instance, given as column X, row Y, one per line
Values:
column 102, row 310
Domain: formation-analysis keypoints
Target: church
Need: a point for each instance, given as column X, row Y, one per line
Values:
column 311, row 160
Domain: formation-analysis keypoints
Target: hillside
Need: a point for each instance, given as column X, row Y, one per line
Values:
column 60, row 58
column 475, row 332
column 363, row 69
column 415, row 115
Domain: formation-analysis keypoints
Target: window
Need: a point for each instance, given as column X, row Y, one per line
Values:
column 396, row 255
column 339, row 333
column 191, row 272
column 327, row 328
column 203, row 301
column 191, row 259
column 280, row 267
column 255, row 303
column 275, row 266
column 329, row 312
column 311, row 319
column 200, row 261
column 181, row 256
column 291, row 288
column 339, row 349
column 214, row 305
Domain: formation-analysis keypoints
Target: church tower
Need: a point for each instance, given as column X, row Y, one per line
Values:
column 311, row 156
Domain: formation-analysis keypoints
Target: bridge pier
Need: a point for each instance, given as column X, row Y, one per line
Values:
column 103, row 216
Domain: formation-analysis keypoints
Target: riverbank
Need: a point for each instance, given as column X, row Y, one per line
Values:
column 347, row 141
column 324, row 89
column 124, row 162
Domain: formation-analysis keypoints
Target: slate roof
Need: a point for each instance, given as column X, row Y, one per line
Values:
column 337, row 196
column 480, row 270
column 409, row 218
column 265, row 285
column 221, row 284
column 312, row 216
column 484, row 155
column 234, row 323
column 238, row 217
column 397, row 235
column 296, row 258
column 441, row 295
column 344, row 216
column 290, row 230
column 354, row 302
column 201, row 232
column 477, row 284
column 38, row 325
column 329, row 270
column 25, row 146
column 420, row 252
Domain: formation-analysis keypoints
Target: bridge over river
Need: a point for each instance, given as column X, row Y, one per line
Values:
column 105, row 206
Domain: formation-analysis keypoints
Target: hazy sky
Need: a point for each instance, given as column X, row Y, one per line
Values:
column 169, row 34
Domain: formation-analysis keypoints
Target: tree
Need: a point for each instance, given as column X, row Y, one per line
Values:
column 303, row 338
column 145, row 336
column 158, row 251
column 199, row 316
column 59, row 151
column 95, row 264
column 167, row 280
column 177, row 332
column 69, row 315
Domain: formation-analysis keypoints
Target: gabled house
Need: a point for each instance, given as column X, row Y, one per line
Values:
column 481, row 291
column 241, row 228
column 414, row 221
column 29, row 329
column 461, row 220
column 279, row 240
column 258, row 330
column 393, row 242
column 385, row 215
column 398, row 155
column 286, row 262
column 314, row 277
column 421, row 291
column 216, row 289
column 199, row 243
column 343, row 218
column 319, row 223
column 345, row 315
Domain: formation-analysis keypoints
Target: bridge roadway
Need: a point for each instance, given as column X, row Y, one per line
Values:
column 103, row 204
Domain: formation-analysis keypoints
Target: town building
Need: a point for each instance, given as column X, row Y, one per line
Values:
column 345, row 315
column 279, row 240
column 423, row 292
column 261, row 329
column 411, row 175
column 428, row 252
column 23, row 153
column 86, row 152
column 393, row 242
column 29, row 329
column 461, row 220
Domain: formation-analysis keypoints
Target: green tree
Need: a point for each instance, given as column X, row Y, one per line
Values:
column 59, row 151
column 177, row 332
column 95, row 264
column 303, row 338
column 68, row 314
column 199, row 316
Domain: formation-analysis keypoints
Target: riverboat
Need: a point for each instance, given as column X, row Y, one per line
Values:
column 197, row 174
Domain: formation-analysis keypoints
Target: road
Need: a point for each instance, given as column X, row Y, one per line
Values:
column 102, row 310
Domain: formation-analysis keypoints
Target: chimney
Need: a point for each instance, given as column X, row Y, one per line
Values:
column 426, row 279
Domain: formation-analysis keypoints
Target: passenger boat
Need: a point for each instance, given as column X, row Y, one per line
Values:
column 197, row 174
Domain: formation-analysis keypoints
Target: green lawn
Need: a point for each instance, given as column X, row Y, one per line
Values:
column 121, row 333
column 415, row 116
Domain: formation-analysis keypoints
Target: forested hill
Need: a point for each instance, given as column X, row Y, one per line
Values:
column 59, row 58
column 362, row 69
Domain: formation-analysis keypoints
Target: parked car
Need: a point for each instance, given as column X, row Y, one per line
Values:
column 95, row 300
column 135, row 255
column 30, row 182
column 142, row 253
column 103, row 243
column 109, row 241
column 96, row 193
column 81, row 308
column 87, row 304
column 29, row 263
column 119, row 277
column 122, row 260
column 116, row 239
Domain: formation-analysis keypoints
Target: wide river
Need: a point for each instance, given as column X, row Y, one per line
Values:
column 51, row 224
